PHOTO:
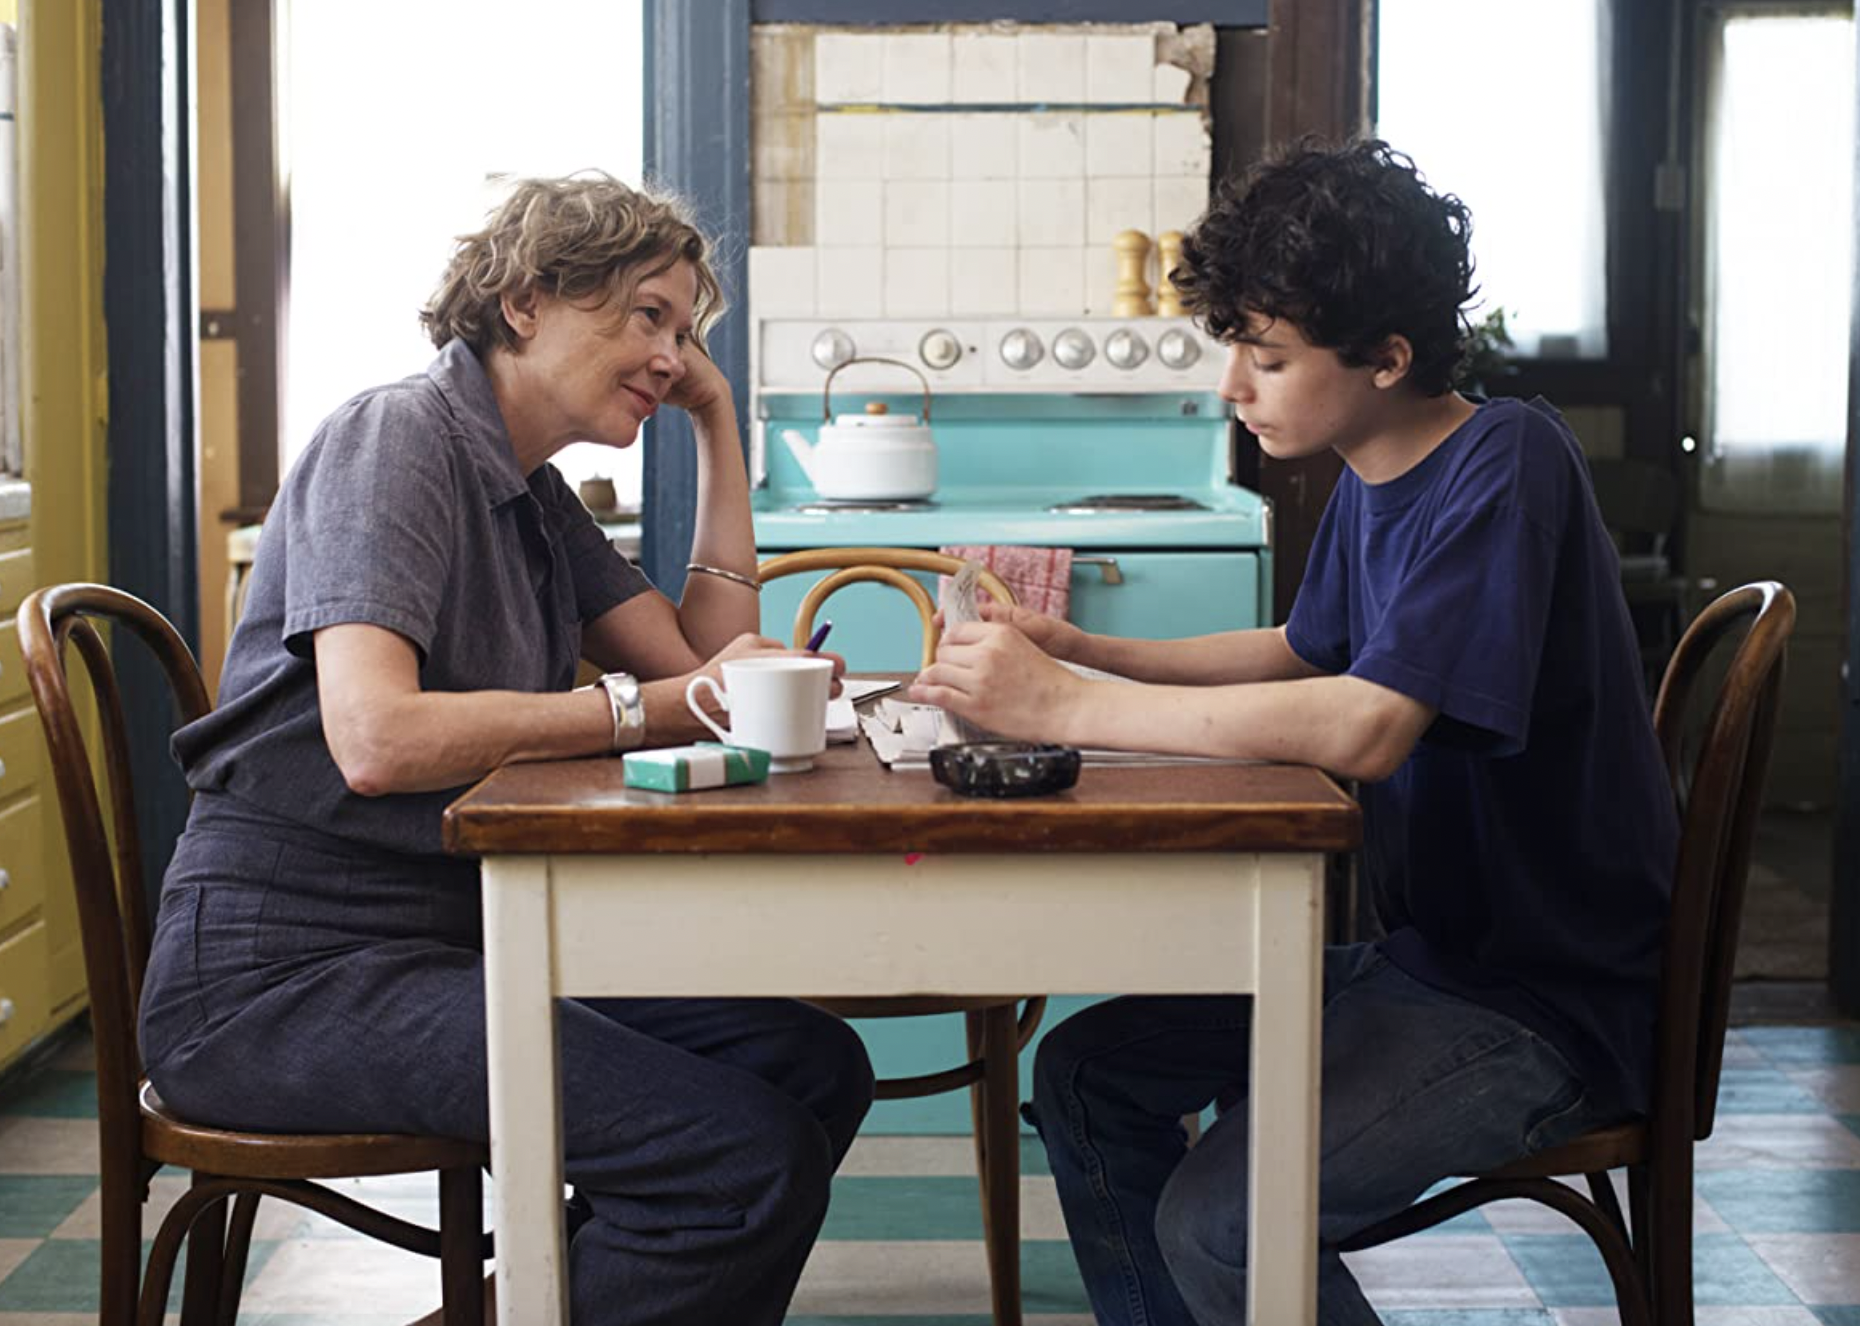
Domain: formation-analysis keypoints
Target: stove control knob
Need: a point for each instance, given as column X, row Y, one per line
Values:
column 1125, row 349
column 939, row 349
column 1177, row 349
column 832, row 348
column 1021, row 349
column 1072, row 348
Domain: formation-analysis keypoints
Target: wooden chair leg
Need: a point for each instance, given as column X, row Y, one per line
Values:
column 206, row 1258
column 238, row 1245
column 1001, row 1165
column 1637, row 1222
column 461, row 1245
column 978, row 1111
column 122, row 1249
column 1670, row 1217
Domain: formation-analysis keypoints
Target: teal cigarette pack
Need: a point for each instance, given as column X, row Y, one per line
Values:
column 693, row 768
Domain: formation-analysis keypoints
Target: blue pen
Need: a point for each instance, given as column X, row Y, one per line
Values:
column 819, row 637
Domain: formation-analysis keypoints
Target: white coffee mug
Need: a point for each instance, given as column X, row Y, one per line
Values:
column 775, row 704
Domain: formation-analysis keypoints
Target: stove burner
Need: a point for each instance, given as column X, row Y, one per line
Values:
column 1126, row 502
column 824, row 507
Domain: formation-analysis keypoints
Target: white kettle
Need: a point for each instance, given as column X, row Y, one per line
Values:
column 874, row 456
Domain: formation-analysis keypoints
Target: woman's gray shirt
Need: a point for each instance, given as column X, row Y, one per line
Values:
column 406, row 511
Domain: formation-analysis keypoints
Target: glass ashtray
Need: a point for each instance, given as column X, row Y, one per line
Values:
column 1005, row 768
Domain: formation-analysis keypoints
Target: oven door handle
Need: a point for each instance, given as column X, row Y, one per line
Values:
column 1108, row 568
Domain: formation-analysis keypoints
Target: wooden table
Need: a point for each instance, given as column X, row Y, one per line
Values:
column 852, row 881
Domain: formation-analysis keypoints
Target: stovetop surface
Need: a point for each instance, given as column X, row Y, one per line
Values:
column 1229, row 518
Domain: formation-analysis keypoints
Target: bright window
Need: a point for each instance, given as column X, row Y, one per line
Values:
column 1498, row 101
column 404, row 121
column 1778, row 274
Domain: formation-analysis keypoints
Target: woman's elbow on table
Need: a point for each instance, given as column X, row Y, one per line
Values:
column 364, row 755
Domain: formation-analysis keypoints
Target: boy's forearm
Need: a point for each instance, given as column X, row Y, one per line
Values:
column 1343, row 724
column 1204, row 660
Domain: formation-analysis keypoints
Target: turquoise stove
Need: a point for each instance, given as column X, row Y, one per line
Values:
column 1023, row 469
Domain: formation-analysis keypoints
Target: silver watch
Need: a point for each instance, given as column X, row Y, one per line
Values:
column 629, row 710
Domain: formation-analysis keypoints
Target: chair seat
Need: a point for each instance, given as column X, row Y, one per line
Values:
column 175, row 1141
column 1608, row 1148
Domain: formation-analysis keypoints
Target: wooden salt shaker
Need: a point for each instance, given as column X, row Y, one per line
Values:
column 1132, row 298
column 1169, row 257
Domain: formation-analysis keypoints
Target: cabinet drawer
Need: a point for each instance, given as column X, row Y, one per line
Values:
column 13, row 687
column 24, row 1009
column 22, row 861
column 15, row 580
column 22, row 752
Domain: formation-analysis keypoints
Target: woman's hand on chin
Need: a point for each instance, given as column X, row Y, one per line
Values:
column 703, row 386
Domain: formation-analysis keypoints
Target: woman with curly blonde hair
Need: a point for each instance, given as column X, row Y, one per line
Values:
column 424, row 589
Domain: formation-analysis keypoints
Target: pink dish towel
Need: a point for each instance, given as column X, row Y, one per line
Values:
column 1041, row 578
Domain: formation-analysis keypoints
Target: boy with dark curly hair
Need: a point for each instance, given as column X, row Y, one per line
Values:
column 1459, row 645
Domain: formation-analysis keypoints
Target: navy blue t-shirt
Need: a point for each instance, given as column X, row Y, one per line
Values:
column 1522, row 856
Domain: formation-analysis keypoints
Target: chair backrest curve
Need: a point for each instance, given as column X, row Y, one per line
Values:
column 1719, row 793
column 113, row 915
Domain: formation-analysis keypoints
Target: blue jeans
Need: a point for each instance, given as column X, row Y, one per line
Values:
column 1417, row 1085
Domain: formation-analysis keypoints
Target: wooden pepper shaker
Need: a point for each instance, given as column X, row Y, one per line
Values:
column 1169, row 257
column 1132, row 297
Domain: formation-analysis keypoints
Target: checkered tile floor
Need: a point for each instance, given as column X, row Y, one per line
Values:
column 1778, row 1221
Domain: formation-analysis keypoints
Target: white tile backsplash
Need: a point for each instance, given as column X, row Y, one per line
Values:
column 917, row 213
column 1050, row 67
column 849, row 146
column 991, row 213
column 916, row 68
column 1168, row 84
column 983, row 213
column 1178, row 202
column 984, row 282
column 849, row 282
column 983, row 68
column 1051, row 146
column 782, row 280
column 1118, row 67
column 1120, row 143
column 1052, row 280
column 848, row 67
column 916, row 282
column 1101, row 280
column 1052, row 213
column 849, row 212
column 1113, row 204
column 916, row 146
column 1181, row 144
column 983, row 147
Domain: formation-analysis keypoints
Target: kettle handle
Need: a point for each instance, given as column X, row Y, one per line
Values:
column 826, row 395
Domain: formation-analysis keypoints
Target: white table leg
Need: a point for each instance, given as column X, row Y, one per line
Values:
column 526, row 1097
column 1282, row 1094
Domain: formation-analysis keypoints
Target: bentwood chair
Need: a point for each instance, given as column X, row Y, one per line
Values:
column 996, row 1029
column 1649, row 1254
column 137, row 1133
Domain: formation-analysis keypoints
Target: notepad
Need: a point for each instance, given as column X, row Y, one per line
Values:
column 842, row 718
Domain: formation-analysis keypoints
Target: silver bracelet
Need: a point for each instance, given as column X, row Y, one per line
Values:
column 628, row 709
column 748, row 582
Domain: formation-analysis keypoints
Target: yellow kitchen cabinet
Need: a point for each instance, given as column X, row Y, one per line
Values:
column 25, row 1001
column 40, row 953
column 55, row 529
column 22, row 864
